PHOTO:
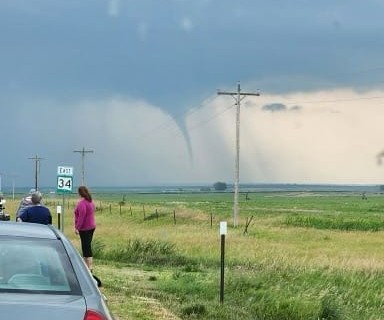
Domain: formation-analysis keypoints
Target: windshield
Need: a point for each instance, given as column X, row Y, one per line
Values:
column 35, row 265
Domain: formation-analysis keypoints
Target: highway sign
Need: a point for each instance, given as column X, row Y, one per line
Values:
column 65, row 171
column 64, row 184
column 64, row 179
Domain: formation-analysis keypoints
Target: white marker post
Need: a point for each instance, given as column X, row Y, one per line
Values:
column 223, row 232
column 58, row 211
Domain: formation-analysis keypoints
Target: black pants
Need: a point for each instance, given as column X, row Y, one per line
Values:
column 86, row 242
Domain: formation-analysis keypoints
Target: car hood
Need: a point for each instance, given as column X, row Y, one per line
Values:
column 41, row 307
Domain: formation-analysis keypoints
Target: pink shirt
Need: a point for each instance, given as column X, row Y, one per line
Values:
column 85, row 215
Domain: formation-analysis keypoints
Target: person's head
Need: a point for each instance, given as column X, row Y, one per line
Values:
column 36, row 197
column 84, row 193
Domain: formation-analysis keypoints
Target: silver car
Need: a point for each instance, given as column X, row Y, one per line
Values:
column 43, row 277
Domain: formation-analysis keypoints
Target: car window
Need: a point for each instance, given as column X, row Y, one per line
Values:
column 36, row 266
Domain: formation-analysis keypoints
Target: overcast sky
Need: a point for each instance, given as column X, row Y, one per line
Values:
column 136, row 82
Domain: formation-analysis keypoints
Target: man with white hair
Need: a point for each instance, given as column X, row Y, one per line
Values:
column 24, row 204
column 36, row 213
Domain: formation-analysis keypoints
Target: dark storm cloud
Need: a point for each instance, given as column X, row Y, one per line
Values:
column 77, row 49
column 273, row 107
column 279, row 107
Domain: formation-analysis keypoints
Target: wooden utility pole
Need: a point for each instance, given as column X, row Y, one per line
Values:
column 238, row 96
column 83, row 152
column 37, row 159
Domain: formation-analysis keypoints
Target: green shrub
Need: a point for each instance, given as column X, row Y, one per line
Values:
column 145, row 252
column 329, row 309
column 98, row 248
column 194, row 310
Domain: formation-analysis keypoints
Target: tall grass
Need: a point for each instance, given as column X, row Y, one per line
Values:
column 303, row 257
column 335, row 222
column 281, row 293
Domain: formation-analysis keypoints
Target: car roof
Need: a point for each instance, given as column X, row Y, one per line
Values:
column 27, row 230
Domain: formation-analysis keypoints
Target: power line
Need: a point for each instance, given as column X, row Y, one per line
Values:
column 83, row 152
column 238, row 96
column 214, row 116
column 165, row 125
column 339, row 100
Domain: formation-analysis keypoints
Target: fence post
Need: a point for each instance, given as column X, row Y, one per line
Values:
column 223, row 232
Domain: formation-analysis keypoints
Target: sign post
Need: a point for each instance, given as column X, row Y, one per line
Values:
column 64, row 185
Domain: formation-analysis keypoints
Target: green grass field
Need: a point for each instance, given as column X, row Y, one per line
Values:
column 303, row 256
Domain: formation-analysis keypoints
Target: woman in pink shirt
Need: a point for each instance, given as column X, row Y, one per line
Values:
column 85, row 223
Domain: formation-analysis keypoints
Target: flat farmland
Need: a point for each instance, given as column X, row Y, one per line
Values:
column 293, row 255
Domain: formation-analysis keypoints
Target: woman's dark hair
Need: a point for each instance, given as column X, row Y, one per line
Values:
column 84, row 193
